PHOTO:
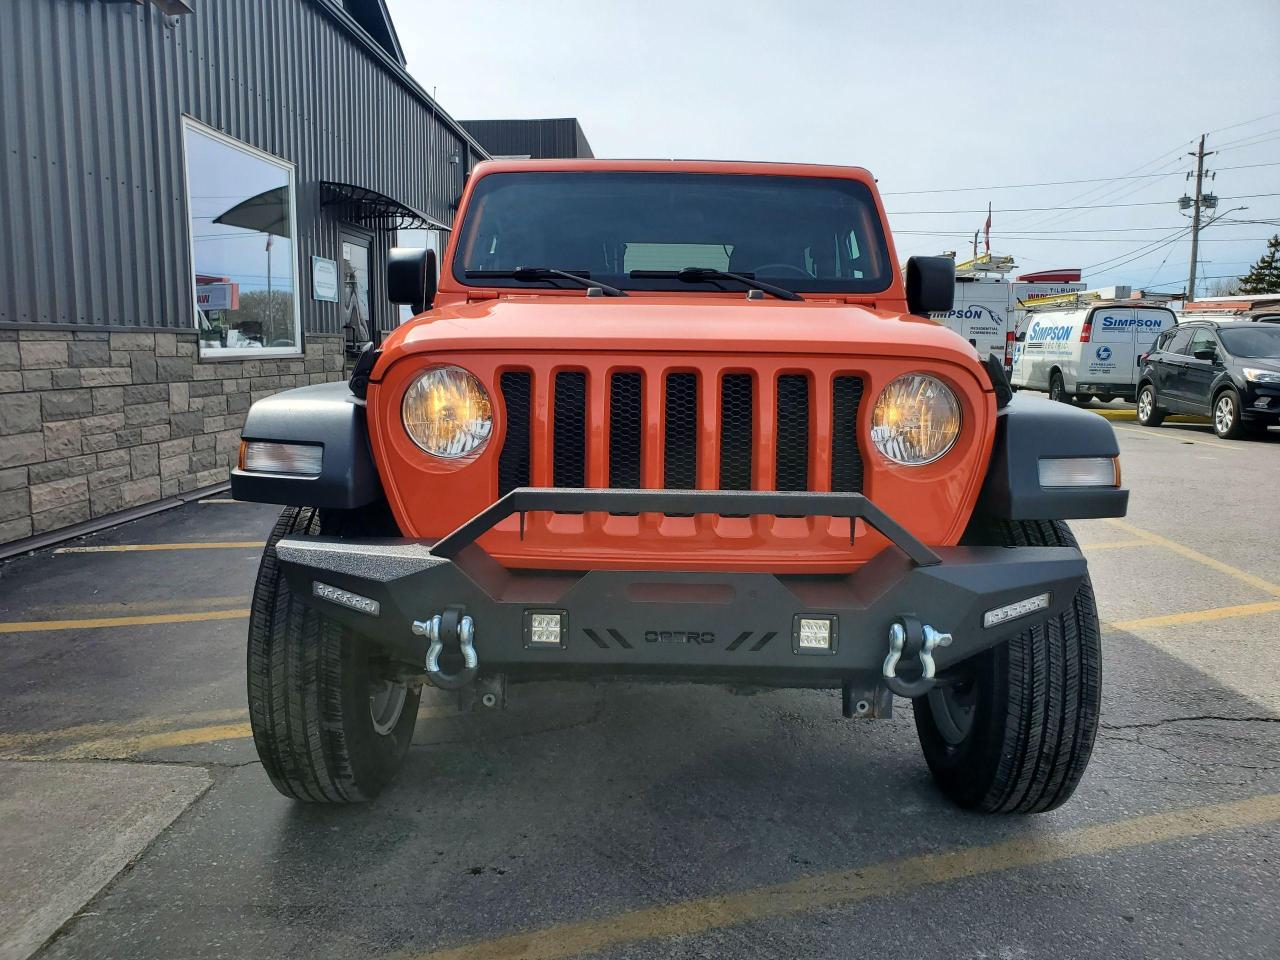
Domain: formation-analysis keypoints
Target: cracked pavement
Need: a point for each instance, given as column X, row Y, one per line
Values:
column 584, row 804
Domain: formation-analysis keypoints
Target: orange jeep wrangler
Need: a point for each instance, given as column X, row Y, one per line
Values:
column 676, row 421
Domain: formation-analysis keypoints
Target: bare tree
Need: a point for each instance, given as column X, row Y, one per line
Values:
column 1224, row 287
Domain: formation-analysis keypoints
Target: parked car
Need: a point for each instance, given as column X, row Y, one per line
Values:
column 1226, row 369
column 1092, row 350
column 676, row 420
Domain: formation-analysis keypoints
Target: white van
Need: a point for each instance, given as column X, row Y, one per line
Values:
column 1092, row 350
column 987, row 313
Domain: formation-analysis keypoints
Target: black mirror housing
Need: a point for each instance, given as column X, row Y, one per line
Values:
column 931, row 285
column 1206, row 355
column 411, row 277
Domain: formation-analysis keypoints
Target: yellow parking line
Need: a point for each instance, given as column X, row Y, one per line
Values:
column 1198, row 616
column 1114, row 545
column 1155, row 433
column 40, row 626
column 148, row 547
column 26, row 741
column 120, row 741
column 119, row 748
column 1266, row 586
column 846, row 887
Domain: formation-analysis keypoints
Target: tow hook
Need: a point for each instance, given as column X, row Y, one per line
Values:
column 909, row 639
column 455, row 630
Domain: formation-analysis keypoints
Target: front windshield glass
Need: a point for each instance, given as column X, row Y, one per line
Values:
column 800, row 233
column 1252, row 341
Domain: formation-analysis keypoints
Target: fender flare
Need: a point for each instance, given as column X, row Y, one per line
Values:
column 324, row 414
column 1030, row 429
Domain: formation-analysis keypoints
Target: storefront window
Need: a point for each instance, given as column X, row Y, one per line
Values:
column 241, row 205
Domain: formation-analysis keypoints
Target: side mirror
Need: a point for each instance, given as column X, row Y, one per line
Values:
column 931, row 284
column 411, row 277
column 1206, row 354
column 1022, row 336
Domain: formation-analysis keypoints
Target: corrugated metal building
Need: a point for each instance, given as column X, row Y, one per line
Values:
column 197, row 210
column 531, row 139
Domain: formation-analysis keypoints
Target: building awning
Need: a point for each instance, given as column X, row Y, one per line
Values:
column 368, row 208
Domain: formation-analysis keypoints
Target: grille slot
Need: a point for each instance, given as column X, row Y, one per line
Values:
column 735, row 431
column 792, row 459
column 625, row 425
column 513, row 461
column 569, row 467
column 681, row 446
column 846, row 459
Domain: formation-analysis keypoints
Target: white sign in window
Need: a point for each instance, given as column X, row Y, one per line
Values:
column 244, row 260
column 324, row 279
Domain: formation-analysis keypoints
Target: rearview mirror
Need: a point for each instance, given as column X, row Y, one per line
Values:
column 931, row 284
column 1206, row 354
column 411, row 277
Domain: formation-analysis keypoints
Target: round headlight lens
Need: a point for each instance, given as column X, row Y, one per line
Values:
column 447, row 412
column 916, row 419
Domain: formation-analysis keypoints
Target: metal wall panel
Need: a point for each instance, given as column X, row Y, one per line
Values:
column 539, row 139
column 93, row 214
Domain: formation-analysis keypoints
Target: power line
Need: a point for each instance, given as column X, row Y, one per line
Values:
column 1060, row 183
column 1251, row 136
column 1094, row 194
column 1252, row 143
column 1140, row 251
column 1088, row 206
column 1245, row 123
column 1022, row 239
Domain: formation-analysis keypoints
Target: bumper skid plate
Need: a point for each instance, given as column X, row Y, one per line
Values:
column 732, row 626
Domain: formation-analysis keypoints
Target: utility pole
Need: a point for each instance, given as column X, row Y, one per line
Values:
column 1195, row 218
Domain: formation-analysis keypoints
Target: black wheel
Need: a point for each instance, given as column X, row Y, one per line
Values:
column 329, row 722
column 1057, row 389
column 1013, row 732
column 1149, row 412
column 1105, row 397
column 1226, row 415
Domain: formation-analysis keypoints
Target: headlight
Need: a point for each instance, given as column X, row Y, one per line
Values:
column 916, row 419
column 447, row 412
column 1261, row 376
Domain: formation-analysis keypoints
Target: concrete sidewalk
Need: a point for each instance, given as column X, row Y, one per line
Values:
column 69, row 829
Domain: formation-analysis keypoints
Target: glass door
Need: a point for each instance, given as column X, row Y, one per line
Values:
column 357, row 323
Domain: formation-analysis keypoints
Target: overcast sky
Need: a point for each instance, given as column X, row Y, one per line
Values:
column 926, row 95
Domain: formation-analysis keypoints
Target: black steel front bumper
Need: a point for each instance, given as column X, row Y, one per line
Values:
column 736, row 627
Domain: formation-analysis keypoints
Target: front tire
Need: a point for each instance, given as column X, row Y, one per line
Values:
column 1149, row 413
column 1226, row 415
column 1015, row 732
column 329, row 724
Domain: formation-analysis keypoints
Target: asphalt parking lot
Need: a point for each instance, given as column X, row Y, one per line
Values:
column 626, row 821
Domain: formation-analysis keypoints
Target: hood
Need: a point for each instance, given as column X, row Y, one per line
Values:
column 567, row 324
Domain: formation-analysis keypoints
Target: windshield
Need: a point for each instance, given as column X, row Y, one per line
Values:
column 1252, row 341
column 799, row 233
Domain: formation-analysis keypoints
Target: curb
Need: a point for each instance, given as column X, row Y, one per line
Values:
column 1132, row 416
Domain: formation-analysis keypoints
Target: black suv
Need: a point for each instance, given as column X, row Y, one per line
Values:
column 1229, row 370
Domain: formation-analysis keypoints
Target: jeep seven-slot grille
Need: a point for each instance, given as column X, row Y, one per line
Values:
column 793, row 456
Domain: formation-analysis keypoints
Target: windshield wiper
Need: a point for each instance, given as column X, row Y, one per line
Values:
column 704, row 274
column 534, row 274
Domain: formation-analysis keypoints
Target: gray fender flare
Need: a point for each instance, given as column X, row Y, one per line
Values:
column 324, row 414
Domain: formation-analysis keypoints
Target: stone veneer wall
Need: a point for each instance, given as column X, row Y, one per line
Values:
column 95, row 423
